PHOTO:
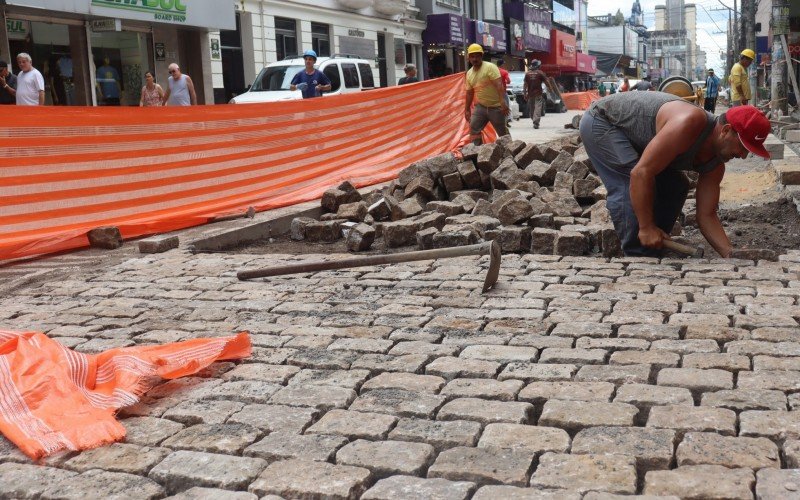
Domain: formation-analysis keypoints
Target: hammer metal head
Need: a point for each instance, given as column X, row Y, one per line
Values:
column 495, row 256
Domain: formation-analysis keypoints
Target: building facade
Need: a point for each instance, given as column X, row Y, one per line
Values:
column 95, row 52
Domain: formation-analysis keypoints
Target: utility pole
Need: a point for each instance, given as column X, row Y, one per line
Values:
column 780, row 26
column 749, row 35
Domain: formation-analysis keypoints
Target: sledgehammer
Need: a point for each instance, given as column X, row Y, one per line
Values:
column 491, row 248
column 685, row 249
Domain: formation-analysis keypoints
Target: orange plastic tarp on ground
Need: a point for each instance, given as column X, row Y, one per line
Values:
column 67, row 170
column 54, row 399
column 579, row 101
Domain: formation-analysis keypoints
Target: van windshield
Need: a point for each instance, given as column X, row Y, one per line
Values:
column 275, row 78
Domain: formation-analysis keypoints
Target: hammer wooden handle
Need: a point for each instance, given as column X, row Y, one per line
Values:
column 679, row 247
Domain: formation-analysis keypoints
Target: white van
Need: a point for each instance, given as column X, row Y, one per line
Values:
column 347, row 74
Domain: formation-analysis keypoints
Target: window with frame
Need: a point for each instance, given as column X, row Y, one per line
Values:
column 332, row 72
column 285, row 37
column 367, row 79
column 350, row 74
column 321, row 39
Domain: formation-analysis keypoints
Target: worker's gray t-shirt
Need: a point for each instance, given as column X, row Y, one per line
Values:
column 635, row 114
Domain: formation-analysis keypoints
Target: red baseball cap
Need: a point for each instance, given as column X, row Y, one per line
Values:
column 752, row 127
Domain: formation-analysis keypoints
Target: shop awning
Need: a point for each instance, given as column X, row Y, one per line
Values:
column 584, row 64
column 611, row 64
column 211, row 14
column 447, row 29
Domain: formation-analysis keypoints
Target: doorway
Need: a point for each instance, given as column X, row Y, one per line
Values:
column 382, row 73
column 232, row 63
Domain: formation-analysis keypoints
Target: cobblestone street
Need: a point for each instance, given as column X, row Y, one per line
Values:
column 574, row 378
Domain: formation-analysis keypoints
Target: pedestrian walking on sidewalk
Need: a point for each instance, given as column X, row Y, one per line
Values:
column 532, row 89
column 641, row 142
column 601, row 89
column 741, row 93
column 30, row 83
column 311, row 81
column 180, row 88
column 506, row 77
column 152, row 93
column 411, row 75
column 712, row 91
column 8, row 85
column 483, row 81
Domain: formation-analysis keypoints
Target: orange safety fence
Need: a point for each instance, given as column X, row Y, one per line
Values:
column 54, row 399
column 579, row 101
column 67, row 170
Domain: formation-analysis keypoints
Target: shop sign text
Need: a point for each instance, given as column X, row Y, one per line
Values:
column 162, row 10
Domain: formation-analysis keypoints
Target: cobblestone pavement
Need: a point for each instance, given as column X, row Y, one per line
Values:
column 574, row 378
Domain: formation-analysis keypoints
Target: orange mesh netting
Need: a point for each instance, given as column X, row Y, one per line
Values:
column 579, row 101
column 54, row 399
column 67, row 170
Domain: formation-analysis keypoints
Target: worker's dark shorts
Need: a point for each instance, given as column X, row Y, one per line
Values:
column 482, row 115
column 613, row 156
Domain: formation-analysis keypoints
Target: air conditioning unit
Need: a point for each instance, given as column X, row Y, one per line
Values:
column 391, row 7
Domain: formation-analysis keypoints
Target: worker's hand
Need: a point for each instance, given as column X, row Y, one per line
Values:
column 301, row 86
column 319, row 88
column 467, row 114
column 2, row 81
column 652, row 237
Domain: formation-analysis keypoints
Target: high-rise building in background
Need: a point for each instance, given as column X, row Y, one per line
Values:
column 674, row 41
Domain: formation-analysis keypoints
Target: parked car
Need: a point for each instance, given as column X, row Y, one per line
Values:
column 552, row 101
column 347, row 74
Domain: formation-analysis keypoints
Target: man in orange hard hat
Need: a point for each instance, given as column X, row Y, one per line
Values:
column 741, row 93
column 484, row 81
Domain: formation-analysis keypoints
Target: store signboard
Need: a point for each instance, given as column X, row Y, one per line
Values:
column 446, row 29
column 516, row 37
column 490, row 36
column 200, row 13
column 361, row 47
column 101, row 25
column 17, row 29
column 399, row 51
column 536, row 25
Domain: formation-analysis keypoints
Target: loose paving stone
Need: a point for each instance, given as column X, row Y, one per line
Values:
column 529, row 438
column 650, row 332
column 149, row 431
column 516, row 493
column 745, row 399
column 529, row 372
column 440, row 434
column 582, row 473
column 407, row 381
column 786, row 381
column 576, row 415
column 775, row 425
column 273, row 374
column 616, row 374
column 576, row 356
column 426, row 348
column 387, row 458
column 354, row 424
column 246, row 391
column 695, row 379
column 29, row 481
column 772, row 483
column 198, row 493
column 582, row 329
column 103, row 484
column 452, row 367
column 411, row 363
column 415, row 488
column 282, row 446
column 505, row 390
column 722, row 361
column 483, row 466
column 182, row 470
column 485, row 411
column 539, row 392
column 699, row 448
column 701, row 482
column 656, row 359
column 275, row 418
column 791, row 453
column 309, row 479
column 398, row 402
column 229, row 438
column 693, row 419
column 203, row 411
column 652, row 448
column 118, row 457
column 499, row 353
column 349, row 379
column 321, row 397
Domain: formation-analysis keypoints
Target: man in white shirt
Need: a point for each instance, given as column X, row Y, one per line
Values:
column 30, row 83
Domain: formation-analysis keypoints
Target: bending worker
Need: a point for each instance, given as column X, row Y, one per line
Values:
column 484, row 81
column 639, row 142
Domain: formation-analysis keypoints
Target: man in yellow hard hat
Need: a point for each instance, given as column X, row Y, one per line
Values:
column 740, row 84
column 484, row 81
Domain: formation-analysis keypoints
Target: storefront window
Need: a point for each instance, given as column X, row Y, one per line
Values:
column 49, row 47
column 285, row 37
column 120, row 59
column 321, row 39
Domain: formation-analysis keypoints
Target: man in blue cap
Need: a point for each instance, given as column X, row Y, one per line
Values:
column 311, row 81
